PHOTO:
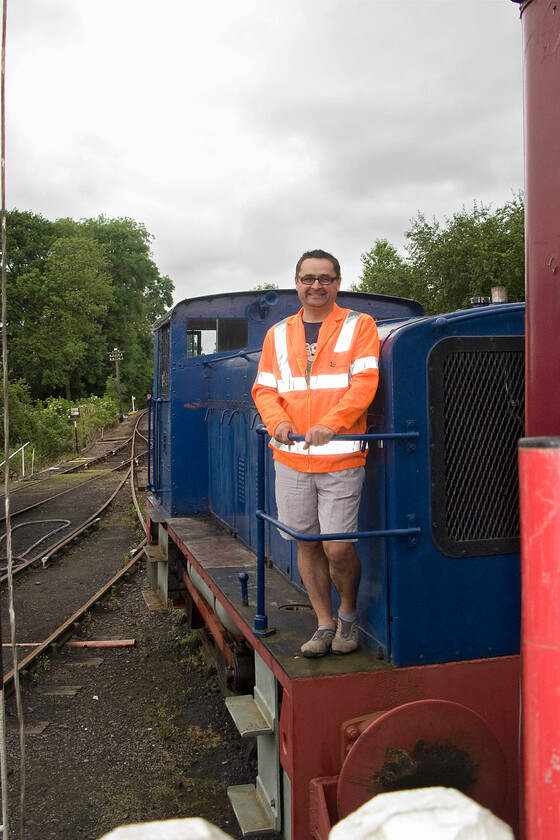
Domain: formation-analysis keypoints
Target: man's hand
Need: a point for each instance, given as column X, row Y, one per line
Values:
column 318, row 436
column 281, row 433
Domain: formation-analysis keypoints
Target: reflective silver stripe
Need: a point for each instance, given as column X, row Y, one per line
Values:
column 281, row 345
column 334, row 447
column 346, row 333
column 294, row 383
column 321, row 382
column 329, row 380
column 267, row 379
column 367, row 363
column 287, row 382
column 295, row 447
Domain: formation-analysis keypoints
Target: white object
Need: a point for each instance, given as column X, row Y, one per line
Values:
column 434, row 813
column 188, row 829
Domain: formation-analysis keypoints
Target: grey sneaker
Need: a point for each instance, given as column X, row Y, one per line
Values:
column 319, row 644
column 346, row 638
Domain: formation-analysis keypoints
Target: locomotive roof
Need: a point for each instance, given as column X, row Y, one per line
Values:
column 380, row 306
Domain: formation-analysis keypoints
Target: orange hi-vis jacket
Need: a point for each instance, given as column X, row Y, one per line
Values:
column 337, row 393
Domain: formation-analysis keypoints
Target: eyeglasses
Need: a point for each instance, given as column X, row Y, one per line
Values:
column 324, row 279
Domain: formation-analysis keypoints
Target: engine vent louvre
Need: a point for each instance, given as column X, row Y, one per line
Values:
column 477, row 404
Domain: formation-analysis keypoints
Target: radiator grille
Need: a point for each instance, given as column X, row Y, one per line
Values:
column 480, row 418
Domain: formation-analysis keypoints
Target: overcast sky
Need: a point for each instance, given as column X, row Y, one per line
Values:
column 244, row 132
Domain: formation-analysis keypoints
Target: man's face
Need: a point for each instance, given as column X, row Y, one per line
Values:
column 317, row 297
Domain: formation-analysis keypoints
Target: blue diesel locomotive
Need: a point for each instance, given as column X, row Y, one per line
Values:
column 437, row 669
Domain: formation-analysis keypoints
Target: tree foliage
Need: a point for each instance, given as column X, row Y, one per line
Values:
column 449, row 263
column 75, row 290
column 47, row 425
column 140, row 295
column 58, row 332
column 384, row 272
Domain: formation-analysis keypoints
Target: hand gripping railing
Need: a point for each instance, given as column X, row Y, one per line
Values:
column 260, row 627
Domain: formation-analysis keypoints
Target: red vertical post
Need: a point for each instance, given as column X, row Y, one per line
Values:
column 541, row 41
column 539, row 467
column 539, row 456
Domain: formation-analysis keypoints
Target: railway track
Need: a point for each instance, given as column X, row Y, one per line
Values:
column 129, row 732
column 74, row 538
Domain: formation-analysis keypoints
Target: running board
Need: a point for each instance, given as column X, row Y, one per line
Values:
column 247, row 716
column 250, row 811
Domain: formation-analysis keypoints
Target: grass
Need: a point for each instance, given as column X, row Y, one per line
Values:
column 166, row 729
column 205, row 739
column 41, row 665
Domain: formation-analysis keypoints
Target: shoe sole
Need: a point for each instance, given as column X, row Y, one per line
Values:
column 315, row 655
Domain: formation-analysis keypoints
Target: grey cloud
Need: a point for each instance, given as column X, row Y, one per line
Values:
column 357, row 114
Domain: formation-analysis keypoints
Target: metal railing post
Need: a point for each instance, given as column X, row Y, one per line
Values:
column 413, row 532
column 149, row 401
column 157, row 448
column 261, row 621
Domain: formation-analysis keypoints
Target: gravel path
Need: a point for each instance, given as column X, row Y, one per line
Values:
column 125, row 734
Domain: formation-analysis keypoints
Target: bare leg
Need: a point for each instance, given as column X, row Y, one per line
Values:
column 314, row 570
column 345, row 572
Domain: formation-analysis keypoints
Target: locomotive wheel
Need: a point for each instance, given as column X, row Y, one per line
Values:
column 452, row 733
column 241, row 672
column 237, row 676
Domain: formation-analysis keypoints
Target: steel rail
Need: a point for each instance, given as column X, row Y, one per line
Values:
column 76, row 467
column 65, row 630
column 123, row 463
column 72, row 535
column 87, row 523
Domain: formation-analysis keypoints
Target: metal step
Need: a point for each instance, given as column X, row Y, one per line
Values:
column 249, row 810
column 154, row 554
column 156, row 515
column 247, row 716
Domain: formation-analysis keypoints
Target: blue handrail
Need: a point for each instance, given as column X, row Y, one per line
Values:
column 260, row 627
column 149, row 400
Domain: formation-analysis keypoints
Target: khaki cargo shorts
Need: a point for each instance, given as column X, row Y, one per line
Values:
column 319, row 503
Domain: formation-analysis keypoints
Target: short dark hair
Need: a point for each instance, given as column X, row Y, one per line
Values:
column 318, row 254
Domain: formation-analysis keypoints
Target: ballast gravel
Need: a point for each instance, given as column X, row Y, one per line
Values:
column 121, row 735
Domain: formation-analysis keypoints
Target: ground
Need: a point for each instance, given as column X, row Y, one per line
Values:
column 140, row 733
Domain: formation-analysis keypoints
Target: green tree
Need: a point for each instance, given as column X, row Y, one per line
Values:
column 57, row 337
column 140, row 295
column 464, row 258
column 28, row 240
column 45, row 273
column 384, row 272
column 447, row 264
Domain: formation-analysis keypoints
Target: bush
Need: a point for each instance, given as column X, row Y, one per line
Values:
column 47, row 424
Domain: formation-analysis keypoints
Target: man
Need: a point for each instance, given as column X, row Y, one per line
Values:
column 317, row 376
